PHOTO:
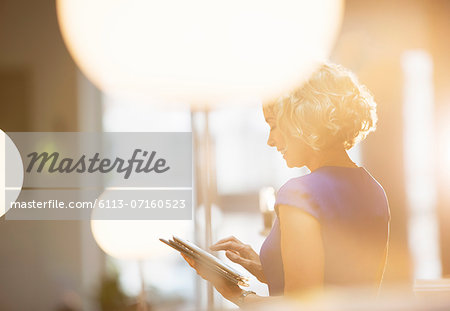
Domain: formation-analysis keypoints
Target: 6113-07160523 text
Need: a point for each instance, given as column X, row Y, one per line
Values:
column 102, row 204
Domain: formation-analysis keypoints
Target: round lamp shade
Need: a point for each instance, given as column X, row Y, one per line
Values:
column 198, row 51
column 11, row 173
column 133, row 239
column 137, row 239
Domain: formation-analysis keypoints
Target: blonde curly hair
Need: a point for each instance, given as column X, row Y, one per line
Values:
column 331, row 108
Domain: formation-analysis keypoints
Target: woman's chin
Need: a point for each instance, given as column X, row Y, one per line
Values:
column 289, row 164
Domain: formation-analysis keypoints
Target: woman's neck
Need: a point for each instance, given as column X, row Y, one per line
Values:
column 330, row 157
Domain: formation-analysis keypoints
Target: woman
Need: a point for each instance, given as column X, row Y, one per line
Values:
column 332, row 225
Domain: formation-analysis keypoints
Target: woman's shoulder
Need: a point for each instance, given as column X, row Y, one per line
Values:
column 297, row 192
column 328, row 185
column 309, row 183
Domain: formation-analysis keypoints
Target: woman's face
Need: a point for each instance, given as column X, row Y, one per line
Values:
column 294, row 150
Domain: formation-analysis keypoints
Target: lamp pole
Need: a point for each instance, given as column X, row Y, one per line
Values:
column 208, row 199
column 204, row 183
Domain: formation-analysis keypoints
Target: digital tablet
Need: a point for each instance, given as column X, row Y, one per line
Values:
column 208, row 260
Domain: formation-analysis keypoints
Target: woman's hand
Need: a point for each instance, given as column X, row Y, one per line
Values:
column 242, row 254
column 228, row 289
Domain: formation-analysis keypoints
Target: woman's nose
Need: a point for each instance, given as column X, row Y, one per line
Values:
column 271, row 141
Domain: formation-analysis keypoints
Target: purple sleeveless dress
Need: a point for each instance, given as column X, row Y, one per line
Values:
column 353, row 212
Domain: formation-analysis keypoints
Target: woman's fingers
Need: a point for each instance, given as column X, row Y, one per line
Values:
column 201, row 270
column 238, row 259
column 193, row 264
column 227, row 239
column 251, row 265
column 225, row 246
column 230, row 245
column 230, row 238
column 189, row 260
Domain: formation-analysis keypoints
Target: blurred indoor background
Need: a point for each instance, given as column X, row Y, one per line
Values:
column 399, row 49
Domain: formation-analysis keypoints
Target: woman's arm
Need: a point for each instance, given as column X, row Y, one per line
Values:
column 301, row 251
column 302, row 255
